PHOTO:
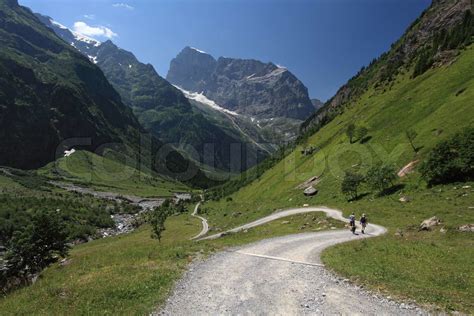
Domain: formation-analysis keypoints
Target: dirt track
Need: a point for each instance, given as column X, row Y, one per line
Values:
column 278, row 276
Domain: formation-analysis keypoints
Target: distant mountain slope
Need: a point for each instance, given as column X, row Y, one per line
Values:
column 317, row 103
column 160, row 107
column 256, row 90
column 433, row 40
column 50, row 95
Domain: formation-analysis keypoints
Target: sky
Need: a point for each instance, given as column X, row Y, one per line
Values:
column 322, row 42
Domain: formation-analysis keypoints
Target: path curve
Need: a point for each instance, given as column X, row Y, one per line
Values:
column 205, row 225
column 336, row 214
column 278, row 276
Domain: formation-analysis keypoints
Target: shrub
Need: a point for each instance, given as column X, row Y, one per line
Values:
column 350, row 132
column 351, row 183
column 381, row 177
column 36, row 246
column 361, row 132
column 451, row 160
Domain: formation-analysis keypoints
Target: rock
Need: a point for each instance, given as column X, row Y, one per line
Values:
column 305, row 205
column 466, row 187
column 405, row 199
column 64, row 262
column 399, row 233
column 310, row 191
column 467, row 228
column 427, row 224
column 407, row 169
column 443, row 230
column 285, row 222
column 310, row 182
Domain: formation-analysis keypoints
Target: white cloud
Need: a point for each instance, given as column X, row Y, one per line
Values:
column 123, row 5
column 89, row 16
column 85, row 29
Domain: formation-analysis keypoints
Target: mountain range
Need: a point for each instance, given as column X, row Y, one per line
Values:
column 52, row 98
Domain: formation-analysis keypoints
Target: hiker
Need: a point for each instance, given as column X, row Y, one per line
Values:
column 352, row 222
column 363, row 223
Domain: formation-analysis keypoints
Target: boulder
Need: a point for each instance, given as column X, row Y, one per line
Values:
column 408, row 168
column 405, row 199
column 310, row 191
column 467, row 228
column 429, row 223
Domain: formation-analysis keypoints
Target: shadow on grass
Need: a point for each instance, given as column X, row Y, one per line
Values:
column 393, row 189
column 359, row 197
column 365, row 139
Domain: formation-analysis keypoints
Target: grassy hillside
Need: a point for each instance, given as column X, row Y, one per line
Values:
column 107, row 174
column 131, row 274
column 436, row 105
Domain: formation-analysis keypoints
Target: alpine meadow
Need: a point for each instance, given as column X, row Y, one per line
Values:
column 140, row 175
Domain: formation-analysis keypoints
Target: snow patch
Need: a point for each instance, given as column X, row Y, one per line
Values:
column 251, row 76
column 281, row 67
column 86, row 39
column 198, row 50
column 129, row 66
column 199, row 97
column 93, row 58
column 58, row 24
column 68, row 153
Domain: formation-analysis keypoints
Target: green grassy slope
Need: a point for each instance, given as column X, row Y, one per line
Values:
column 106, row 174
column 133, row 274
column 436, row 105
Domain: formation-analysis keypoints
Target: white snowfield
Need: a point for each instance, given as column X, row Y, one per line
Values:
column 199, row 97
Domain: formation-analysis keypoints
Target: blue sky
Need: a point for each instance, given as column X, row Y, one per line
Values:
column 323, row 42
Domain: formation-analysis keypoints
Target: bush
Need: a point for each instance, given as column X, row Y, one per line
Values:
column 381, row 177
column 36, row 246
column 451, row 160
column 351, row 183
column 350, row 132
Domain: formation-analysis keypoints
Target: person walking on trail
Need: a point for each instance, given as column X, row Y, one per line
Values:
column 363, row 223
column 352, row 222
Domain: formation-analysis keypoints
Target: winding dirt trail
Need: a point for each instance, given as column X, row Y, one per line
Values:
column 278, row 276
column 205, row 226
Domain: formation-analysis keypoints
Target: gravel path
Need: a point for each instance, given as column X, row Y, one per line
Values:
column 205, row 226
column 278, row 276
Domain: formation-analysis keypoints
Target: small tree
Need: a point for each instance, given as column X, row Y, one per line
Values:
column 381, row 177
column 158, row 218
column 38, row 245
column 411, row 135
column 350, row 184
column 361, row 132
column 350, row 132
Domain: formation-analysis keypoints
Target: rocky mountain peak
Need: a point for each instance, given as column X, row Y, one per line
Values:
column 247, row 86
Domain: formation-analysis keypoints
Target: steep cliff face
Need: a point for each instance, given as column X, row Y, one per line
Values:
column 191, row 69
column 248, row 87
column 433, row 40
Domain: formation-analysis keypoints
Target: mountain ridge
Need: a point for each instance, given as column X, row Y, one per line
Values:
column 248, row 86
column 159, row 106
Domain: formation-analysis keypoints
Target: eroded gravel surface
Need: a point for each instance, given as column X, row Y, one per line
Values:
column 278, row 276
